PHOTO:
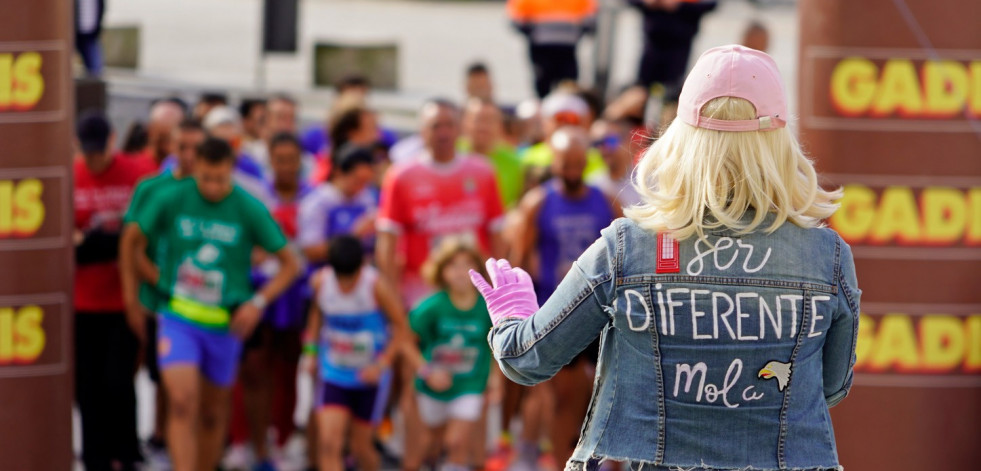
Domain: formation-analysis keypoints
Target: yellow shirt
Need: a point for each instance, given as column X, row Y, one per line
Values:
column 540, row 155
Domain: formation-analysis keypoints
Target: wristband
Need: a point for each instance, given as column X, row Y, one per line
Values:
column 259, row 301
column 310, row 348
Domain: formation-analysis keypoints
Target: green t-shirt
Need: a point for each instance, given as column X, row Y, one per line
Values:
column 540, row 155
column 454, row 340
column 507, row 169
column 149, row 297
column 205, row 270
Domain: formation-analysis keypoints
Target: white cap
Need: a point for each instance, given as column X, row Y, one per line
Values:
column 221, row 115
column 564, row 103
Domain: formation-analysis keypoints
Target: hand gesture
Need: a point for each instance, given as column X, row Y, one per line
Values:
column 511, row 297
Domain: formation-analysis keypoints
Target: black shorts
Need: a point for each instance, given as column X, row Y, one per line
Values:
column 361, row 403
column 285, row 343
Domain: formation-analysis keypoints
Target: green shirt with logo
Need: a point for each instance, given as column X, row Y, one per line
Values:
column 205, row 269
column 455, row 341
column 507, row 170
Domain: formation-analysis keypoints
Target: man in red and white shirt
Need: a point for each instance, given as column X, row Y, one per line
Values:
column 105, row 348
column 433, row 196
column 436, row 195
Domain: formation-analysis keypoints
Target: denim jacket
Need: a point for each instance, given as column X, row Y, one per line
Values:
column 729, row 362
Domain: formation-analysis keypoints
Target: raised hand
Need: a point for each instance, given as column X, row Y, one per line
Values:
column 512, row 295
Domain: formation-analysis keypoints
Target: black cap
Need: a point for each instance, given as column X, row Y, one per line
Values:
column 351, row 155
column 93, row 132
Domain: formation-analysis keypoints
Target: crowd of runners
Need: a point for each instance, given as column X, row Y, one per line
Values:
column 226, row 250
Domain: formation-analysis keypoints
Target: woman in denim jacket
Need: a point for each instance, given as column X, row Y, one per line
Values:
column 727, row 313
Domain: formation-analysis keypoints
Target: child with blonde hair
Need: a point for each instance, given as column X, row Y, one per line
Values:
column 453, row 361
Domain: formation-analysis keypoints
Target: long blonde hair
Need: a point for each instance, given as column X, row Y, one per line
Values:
column 693, row 180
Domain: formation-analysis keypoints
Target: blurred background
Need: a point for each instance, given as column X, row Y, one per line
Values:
column 886, row 96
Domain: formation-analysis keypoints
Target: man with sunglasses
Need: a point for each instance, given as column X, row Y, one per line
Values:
column 561, row 108
column 609, row 138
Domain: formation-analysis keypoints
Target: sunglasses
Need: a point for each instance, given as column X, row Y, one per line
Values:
column 611, row 141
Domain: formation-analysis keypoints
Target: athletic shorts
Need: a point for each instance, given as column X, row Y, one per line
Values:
column 435, row 412
column 360, row 402
column 216, row 354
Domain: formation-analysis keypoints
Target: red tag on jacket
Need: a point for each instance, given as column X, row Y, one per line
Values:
column 667, row 254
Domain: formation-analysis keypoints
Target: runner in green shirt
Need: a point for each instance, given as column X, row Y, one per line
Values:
column 482, row 130
column 209, row 228
column 453, row 339
column 453, row 360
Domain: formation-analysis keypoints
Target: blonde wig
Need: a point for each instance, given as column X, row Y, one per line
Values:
column 694, row 180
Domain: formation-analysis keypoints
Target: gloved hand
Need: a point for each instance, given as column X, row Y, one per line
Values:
column 511, row 297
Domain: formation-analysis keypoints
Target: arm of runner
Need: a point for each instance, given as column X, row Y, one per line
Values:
column 312, row 235
column 391, row 306
column 390, row 222
column 422, row 322
column 132, row 242
column 385, row 256
column 527, row 230
column 532, row 350
column 312, row 332
column 247, row 316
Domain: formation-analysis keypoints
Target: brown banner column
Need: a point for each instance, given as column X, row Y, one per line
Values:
column 890, row 107
column 35, row 235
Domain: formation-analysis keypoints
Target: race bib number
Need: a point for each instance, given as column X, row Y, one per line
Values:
column 455, row 359
column 347, row 350
column 203, row 286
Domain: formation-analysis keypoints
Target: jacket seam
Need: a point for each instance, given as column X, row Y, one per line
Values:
column 806, row 317
column 725, row 281
column 846, row 289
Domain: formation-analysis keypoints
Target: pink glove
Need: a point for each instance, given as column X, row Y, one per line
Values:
column 512, row 297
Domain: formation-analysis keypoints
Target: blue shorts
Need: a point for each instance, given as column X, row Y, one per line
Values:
column 216, row 354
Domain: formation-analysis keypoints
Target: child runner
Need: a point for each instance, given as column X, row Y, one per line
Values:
column 453, row 362
column 359, row 325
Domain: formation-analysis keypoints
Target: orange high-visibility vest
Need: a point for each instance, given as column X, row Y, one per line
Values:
column 549, row 11
column 558, row 22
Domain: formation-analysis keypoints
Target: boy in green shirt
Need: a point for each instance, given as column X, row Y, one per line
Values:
column 209, row 228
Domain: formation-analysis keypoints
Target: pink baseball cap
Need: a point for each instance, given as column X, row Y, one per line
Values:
column 734, row 71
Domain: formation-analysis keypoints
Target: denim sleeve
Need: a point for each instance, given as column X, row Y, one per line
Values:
column 532, row 350
column 839, row 346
